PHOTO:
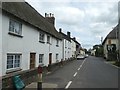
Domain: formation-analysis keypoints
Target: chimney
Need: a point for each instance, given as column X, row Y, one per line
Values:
column 50, row 18
column 60, row 30
column 68, row 33
column 74, row 38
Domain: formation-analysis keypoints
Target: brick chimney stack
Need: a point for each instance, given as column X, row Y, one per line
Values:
column 50, row 18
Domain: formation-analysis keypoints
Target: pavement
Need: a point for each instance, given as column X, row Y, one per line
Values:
column 44, row 85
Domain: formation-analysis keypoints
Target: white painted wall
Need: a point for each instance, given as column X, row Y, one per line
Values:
column 67, row 49
column 29, row 43
column 73, row 48
column 113, row 41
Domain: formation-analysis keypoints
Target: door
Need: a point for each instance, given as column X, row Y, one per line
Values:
column 32, row 60
column 50, row 58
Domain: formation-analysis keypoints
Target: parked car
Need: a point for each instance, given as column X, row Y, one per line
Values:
column 80, row 57
column 86, row 55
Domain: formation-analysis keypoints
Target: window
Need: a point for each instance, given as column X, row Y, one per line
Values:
column 57, row 42
column 57, row 56
column 41, row 56
column 65, row 44
column 15, row 27
column 48, row 39
column 13, row 61
column 41, row 37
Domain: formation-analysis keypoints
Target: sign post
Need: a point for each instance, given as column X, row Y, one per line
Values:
column 39, row 84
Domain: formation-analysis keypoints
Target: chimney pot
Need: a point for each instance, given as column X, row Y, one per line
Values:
column 60, row 30
column 68, row 33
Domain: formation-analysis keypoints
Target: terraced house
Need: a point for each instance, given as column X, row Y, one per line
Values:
column 27, row 40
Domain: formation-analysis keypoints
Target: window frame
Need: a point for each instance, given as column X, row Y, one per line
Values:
column 12, row 27
column 41, row 61
column 41, row 37
column 48, row 39
column 13, row 64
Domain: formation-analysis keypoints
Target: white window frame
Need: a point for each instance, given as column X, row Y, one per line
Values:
column 57, row 42
column 13, row 59
column 41, row 37
column 57, row 55
column 41, row 58
column 48, row 39
column 15, row 27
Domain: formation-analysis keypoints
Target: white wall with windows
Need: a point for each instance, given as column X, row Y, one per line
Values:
column 73, row 48
column 21, row 40
column 67, row 52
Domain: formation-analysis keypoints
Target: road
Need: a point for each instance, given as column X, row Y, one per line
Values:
column 91, row 72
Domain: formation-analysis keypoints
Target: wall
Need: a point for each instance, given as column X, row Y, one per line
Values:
column 73, row 48
column 67, row 49
column 27, row 44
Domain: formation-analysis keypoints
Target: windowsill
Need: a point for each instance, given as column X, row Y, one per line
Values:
column 14, row 34
column 13, row 70
column 41, row 41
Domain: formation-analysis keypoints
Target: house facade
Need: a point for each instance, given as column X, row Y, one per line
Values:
column 28, row 39
column 110, row 43
column 73, row 47
column 66, row 45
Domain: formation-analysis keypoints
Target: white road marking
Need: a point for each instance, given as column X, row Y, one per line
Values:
column 69, row 83
column 78, row 68
column 75, row 74
column 81, row 65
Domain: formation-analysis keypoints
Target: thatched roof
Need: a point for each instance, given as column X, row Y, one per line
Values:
column 27, row 13
column 112, row 35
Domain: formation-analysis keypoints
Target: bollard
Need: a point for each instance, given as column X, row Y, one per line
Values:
column 39, row 84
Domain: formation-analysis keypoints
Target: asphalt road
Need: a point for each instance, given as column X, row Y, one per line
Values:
column 91, row 72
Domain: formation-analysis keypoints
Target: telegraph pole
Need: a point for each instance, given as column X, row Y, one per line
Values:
column 119, row 28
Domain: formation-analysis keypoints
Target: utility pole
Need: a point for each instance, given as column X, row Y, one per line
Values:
column 119, row 28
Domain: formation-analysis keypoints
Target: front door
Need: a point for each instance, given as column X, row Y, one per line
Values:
column 50, row 58
column 32, row 60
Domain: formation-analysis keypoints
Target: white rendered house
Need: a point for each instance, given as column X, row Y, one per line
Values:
column 28, row 39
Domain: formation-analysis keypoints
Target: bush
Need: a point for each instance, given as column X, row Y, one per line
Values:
column 117, row 63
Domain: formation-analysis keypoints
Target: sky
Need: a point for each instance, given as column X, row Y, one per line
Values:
column 87, row 20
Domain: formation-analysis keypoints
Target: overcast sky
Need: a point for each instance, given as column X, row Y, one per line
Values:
column 87, row 20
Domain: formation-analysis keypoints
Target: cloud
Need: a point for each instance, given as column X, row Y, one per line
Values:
column 69, row 15
column 87, row 20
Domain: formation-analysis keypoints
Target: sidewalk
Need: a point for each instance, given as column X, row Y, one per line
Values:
column 44, row 86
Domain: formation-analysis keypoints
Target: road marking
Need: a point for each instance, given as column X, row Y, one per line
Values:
column 81, row 65
column 78, row 68
column 75, row 74
column 69, row 83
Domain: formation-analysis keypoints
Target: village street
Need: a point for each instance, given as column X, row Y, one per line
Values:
column 92, row 72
